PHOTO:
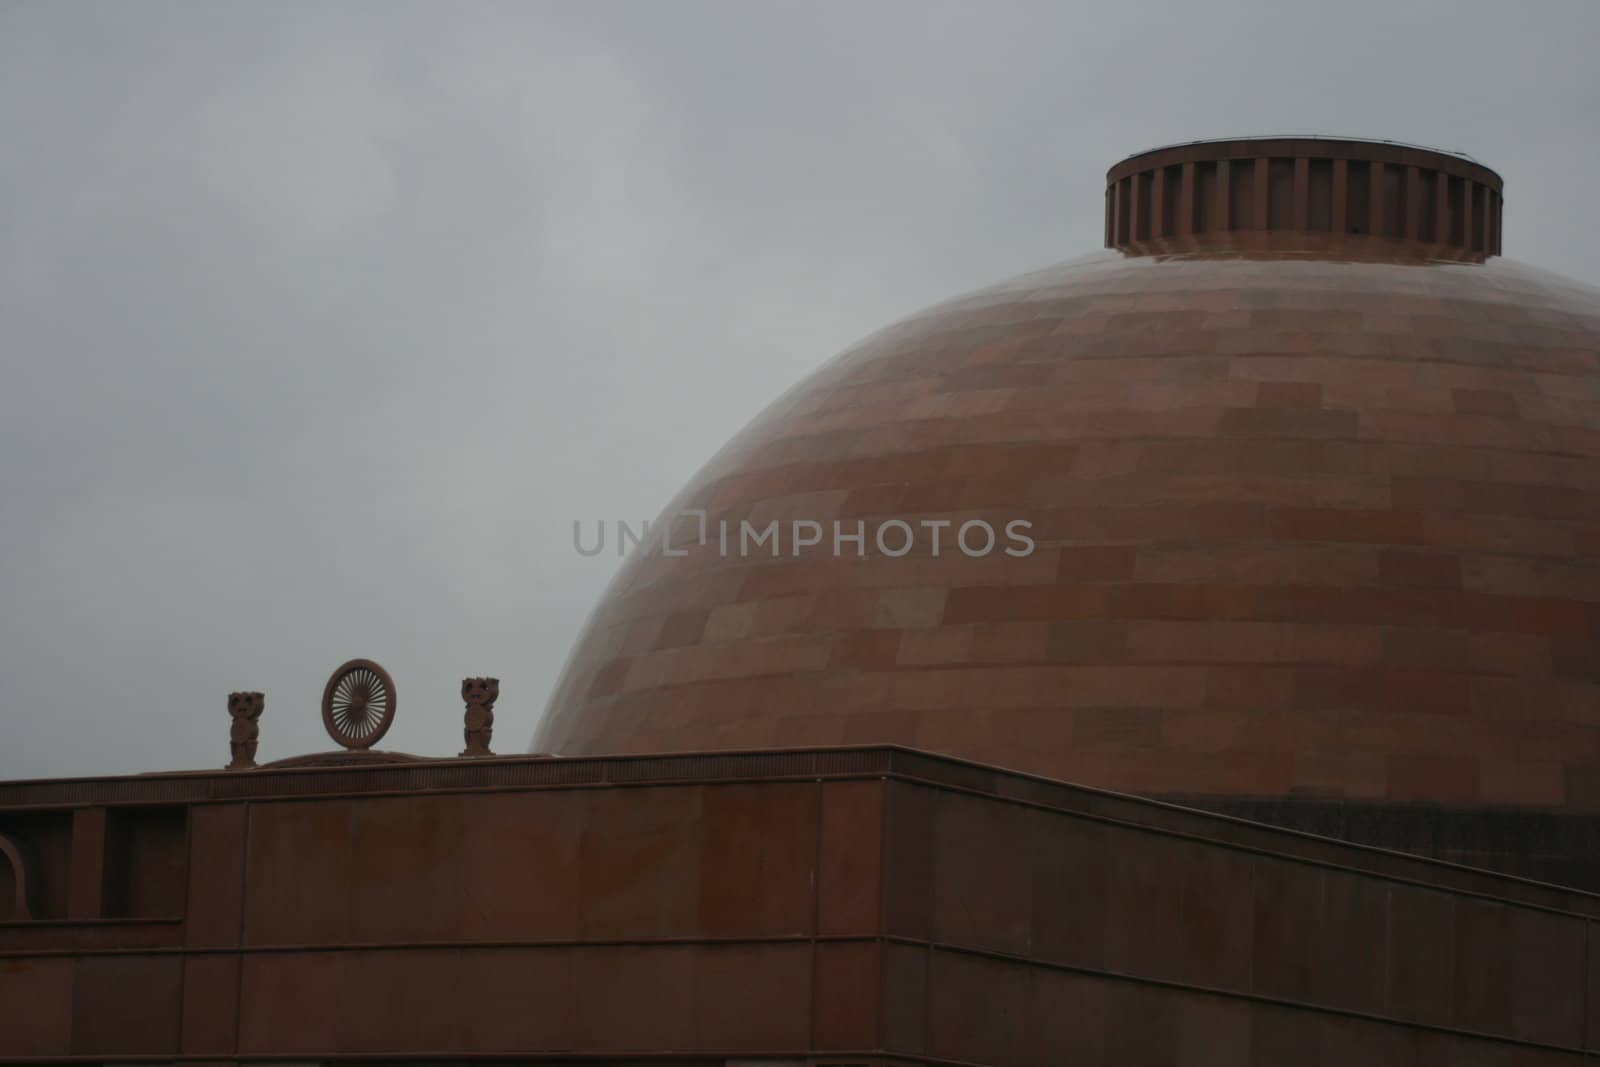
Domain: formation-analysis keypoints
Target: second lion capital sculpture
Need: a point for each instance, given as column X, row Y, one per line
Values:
column 479, row 695
column 245, row 708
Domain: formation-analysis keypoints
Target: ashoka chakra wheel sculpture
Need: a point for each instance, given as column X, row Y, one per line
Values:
column 358, row 704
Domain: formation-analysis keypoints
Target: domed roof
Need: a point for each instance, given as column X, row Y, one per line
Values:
column 1314, row 509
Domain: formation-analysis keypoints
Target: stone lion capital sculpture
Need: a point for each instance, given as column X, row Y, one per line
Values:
column 479, row 695
column 245, row 708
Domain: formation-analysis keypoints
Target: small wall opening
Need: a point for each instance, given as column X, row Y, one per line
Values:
column 146, row 872
column 1142, row 195
column 44, row 840
column 1171, row 200
column 13, row 883
column 1124, row 204
column 1358, row 190
column 1475, row 202
column 1456, row 211
column 1393, row 221
column 1319, row 204
column 1280, row 194
column 1241, row 193
column 1428, row 205
column 1205, row 196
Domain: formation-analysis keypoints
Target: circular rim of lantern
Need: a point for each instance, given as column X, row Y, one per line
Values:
column 358, row 704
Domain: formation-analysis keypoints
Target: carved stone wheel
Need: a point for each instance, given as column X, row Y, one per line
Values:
column 358, row 704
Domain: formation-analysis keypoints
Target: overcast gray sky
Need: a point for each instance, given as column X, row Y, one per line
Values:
column 319, row 324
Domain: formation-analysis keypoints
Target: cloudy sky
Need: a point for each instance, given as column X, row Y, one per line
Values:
column 320, row 324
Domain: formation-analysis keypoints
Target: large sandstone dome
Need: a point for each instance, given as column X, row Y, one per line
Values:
column 1313, row 488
